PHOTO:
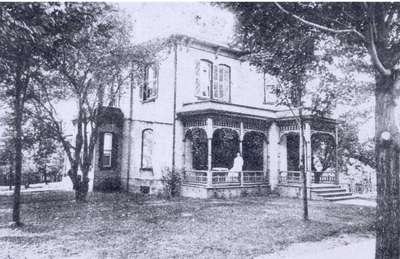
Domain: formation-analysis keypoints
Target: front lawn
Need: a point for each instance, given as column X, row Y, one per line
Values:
column 129, row 226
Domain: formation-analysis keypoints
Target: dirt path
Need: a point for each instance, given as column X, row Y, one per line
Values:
column 346, row 246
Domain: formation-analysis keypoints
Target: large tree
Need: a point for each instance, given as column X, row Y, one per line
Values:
column 22, row 34
column 92, row 63
column 361, row 30
column 88, row 65
column 41, row 41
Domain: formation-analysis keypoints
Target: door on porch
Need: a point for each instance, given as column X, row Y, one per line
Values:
column 292, row 147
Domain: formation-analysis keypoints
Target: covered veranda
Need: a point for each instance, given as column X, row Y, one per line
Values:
column 213, row 141
column 320, row 139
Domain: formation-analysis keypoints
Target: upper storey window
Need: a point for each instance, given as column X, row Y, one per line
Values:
column 223, row 83
column 204, row 78
column 150, row 86
column 269, row 85
column 213, row 81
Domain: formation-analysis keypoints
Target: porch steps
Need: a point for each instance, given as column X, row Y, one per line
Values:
column 324, row 186
column 331, row 193
column 328, row 190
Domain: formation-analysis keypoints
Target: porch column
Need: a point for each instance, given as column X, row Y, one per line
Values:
column 184, row 155
column 265, row 159
column 209, row 149
column 336, row 156
column 241, row 135
column 308, row 152
column 274, row 154
column 307, row 135
column 187, row 154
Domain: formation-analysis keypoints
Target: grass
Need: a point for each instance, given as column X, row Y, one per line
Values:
column 128, row 226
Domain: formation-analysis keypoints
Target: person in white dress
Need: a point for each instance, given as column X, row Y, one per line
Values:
column 237, row 167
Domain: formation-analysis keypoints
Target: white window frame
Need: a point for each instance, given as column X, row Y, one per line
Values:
column 224, row 85
column 150, row 86
column 107, row 151
column 142, row 165
column 202, row 87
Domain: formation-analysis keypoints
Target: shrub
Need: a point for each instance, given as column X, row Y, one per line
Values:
column 172, row 181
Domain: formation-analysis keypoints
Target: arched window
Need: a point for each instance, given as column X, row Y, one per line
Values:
column 222, row 83
column 147, row 149
column 203, row 78
column 150, row 87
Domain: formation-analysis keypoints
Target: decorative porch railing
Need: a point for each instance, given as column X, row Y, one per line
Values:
column 253, row 177
column 323, row 177
column 195, row 177
column 288, row 177
column 225, row 178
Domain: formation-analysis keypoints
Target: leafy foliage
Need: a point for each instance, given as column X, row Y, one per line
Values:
column 349, row 143
column 172, row 180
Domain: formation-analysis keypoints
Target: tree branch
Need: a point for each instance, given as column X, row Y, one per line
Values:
column 321, row 27
column 374, row 54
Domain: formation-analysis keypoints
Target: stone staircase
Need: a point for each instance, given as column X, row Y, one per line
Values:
column 330, row 192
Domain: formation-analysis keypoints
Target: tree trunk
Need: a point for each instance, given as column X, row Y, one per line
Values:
column 81, row 186
column 10, row 175
column 18, row 154
column 302, row 168
column 45, row 175
column 387, row 161
column 81, row 190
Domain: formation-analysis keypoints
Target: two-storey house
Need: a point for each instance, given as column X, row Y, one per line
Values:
column 199, row 108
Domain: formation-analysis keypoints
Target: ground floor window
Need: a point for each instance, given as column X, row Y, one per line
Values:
column 147, row 149
column 106, row 147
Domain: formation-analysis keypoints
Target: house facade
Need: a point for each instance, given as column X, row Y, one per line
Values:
column 197, row 109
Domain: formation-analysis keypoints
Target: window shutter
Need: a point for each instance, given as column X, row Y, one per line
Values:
column 215, row 82
column 114, row 152
column 100, row 149
column 226, row 84
column 197, row 78
column 155, row 80
column 221, row 79
column 142, row 85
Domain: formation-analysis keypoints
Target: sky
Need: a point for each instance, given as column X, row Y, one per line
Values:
column 201, row 20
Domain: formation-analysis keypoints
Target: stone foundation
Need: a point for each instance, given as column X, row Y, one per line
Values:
column 106, row 180
column 145, row 186
column 202, row 192
column 293, row 191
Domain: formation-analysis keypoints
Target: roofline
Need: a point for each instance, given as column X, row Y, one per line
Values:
column 186, row 39
column 232, row 104
column 219, row 112
column 311, row 117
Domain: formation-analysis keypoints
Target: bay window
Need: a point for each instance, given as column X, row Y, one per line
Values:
column 107, row 150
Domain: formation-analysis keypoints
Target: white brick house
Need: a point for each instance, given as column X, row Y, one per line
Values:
column 197, row 101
